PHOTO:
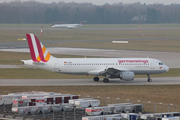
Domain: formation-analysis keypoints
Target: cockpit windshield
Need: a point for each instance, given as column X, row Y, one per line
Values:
column 160, row 63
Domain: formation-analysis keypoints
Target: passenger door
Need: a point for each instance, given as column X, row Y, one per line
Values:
column 152, row 66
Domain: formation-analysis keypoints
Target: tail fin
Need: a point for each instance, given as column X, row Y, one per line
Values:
column 37, row 50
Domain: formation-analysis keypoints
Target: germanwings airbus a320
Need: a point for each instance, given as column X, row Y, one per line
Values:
column 123, row 68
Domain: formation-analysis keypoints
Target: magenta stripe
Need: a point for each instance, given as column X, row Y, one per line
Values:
column 40, row 49
column 31, row 48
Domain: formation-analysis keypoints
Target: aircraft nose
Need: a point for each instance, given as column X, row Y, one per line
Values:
column 167, row 68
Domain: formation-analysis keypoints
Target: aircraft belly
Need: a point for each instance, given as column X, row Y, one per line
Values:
column 145, row 72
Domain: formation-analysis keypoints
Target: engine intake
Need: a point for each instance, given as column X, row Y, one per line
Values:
column 128, row 76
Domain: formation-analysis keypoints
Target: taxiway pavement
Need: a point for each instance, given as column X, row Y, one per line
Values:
column 76, row 82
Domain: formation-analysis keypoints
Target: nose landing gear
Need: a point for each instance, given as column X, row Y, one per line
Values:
column 149, row 78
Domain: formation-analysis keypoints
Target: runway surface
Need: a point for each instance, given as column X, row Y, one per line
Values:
column 76, row 82
column 171, row 59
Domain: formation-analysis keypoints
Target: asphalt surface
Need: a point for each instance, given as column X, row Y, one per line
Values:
column 171, row 59
column 76, row 82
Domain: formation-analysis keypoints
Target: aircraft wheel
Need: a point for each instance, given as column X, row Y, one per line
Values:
column 105, row 80
column 96, row 78
column 150, row 80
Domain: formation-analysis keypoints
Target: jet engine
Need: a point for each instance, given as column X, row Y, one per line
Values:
column 128, row 76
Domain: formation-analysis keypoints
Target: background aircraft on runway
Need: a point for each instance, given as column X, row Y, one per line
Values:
column 123, row 68
column 69, row 26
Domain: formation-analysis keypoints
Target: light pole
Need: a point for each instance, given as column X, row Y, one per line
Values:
column 161, row 106
column 148, row 105
column 117, row 100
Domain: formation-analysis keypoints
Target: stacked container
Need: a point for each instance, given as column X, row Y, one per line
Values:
column 99, row 110
column 21, row 110
column 67, row 107
column 103, row 117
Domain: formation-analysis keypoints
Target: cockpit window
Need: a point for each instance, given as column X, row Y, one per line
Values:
column 160, row 63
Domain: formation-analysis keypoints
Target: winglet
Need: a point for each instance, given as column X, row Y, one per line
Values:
column 37, row 50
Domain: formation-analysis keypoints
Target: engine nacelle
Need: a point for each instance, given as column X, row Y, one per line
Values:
column 128, row 76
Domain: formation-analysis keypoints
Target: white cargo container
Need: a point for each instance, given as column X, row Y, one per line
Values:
column 169, row 114
column 94, row 111
column 171, row 118
column 21, row 110
column 120, row 107
column 82, row 104
column 25, row 96
column 100, row 110
column 1, row 100
column 8, row 99
column 34, row 110
column 32, row 92
column 28, row 96
column 144, row 116
column 93, row 102
column 135, row 108
column 40, row 101
column 102, row 117
column 67, row 107
column 56, row 108
column 45, row 108
column 64, row 97
column 117, row 109
column 20, row 102
column 72, row 101
column 129, row 116
column 107, row 110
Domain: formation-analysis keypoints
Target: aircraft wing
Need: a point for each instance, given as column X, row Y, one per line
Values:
column 112, row 70
column 107, row 70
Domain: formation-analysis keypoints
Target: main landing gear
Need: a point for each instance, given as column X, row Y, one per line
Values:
column 149, row 78
column 105, row 80
column 96, row 78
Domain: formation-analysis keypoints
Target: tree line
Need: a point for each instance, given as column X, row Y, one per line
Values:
column 119, row 13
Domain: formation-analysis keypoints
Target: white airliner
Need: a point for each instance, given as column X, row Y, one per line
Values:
column 69, row 26
column 123, row 68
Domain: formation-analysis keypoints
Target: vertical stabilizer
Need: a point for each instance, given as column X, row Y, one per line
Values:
column 37, row 50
